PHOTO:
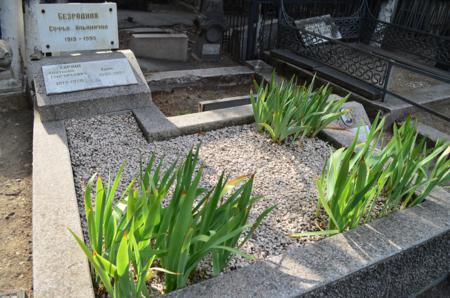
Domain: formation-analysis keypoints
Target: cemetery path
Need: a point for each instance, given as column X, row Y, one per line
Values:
column 15, row 201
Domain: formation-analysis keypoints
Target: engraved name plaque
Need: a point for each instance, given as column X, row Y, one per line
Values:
column 62, row 78
column 77, row 27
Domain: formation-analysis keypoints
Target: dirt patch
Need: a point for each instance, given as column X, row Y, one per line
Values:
column 185, row 101
column 15, row 201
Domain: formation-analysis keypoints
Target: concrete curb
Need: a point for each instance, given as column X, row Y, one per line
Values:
column 60, row 268
column 222, row 76
column 395, row 256
column 156, row 127
column 210, row 120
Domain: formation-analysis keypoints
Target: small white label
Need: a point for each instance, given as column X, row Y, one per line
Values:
column 211, row 49
column 62, row 78
column 77, row 27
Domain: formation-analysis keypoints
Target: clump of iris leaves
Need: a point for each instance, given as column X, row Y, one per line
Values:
column 364, row 176
column 133, row 237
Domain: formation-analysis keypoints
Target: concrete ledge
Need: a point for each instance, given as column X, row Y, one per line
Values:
column 204, row 121
column 154, row 124
column 228, row 102
column 432, row 133
column 395, row 256
column 60, row 268
column 223, row 76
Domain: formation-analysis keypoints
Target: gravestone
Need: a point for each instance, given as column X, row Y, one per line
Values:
column 322, row 25
column 209, row 27
column 90, row 84
column 78, row 80
column 77, row 27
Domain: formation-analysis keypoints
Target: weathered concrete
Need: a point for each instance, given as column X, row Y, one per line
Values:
column 154, row 124
column 60, row 268
column 87, row 103
column 395, row 256
column 222, row 76
column 435, row 94
column 432, row 133
column 204, row 121
column 228, row 102
column 167, row 46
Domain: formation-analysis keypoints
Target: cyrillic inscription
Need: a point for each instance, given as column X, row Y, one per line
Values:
column 62, row 78
column 77, row 27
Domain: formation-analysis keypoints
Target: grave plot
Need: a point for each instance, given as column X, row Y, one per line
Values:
column 255, row 228
column 285, row 175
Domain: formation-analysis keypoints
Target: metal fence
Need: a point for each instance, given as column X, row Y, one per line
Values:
column 432, row 16
column 252, row 24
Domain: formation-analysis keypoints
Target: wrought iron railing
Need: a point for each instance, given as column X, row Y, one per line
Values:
column 360, row 64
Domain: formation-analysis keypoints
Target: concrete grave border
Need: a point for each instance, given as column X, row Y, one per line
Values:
column 396, row 255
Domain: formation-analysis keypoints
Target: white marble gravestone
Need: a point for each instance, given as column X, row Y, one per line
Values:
column 69, row 77
column 73, row 27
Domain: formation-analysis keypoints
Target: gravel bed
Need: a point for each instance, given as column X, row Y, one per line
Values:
column 285, row 175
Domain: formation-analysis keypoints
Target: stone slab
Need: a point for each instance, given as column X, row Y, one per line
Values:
column 222, row 76
column 69, row 77
column 223, row 103
column 88, row 103
column 166, row 46
column 395, row 256
column 60, row 268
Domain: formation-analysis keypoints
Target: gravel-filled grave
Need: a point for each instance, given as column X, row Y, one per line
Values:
column 285, row 174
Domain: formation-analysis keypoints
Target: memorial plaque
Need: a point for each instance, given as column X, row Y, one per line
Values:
column 323, row 25
column 211, row 49
column 62, row 78
column 77, row 27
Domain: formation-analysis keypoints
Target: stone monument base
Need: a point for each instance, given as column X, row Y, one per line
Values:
column 90, row 102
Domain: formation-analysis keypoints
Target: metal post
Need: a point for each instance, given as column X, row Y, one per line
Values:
column 251, row 30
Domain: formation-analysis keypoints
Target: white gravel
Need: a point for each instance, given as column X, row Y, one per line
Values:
column 285, row 175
